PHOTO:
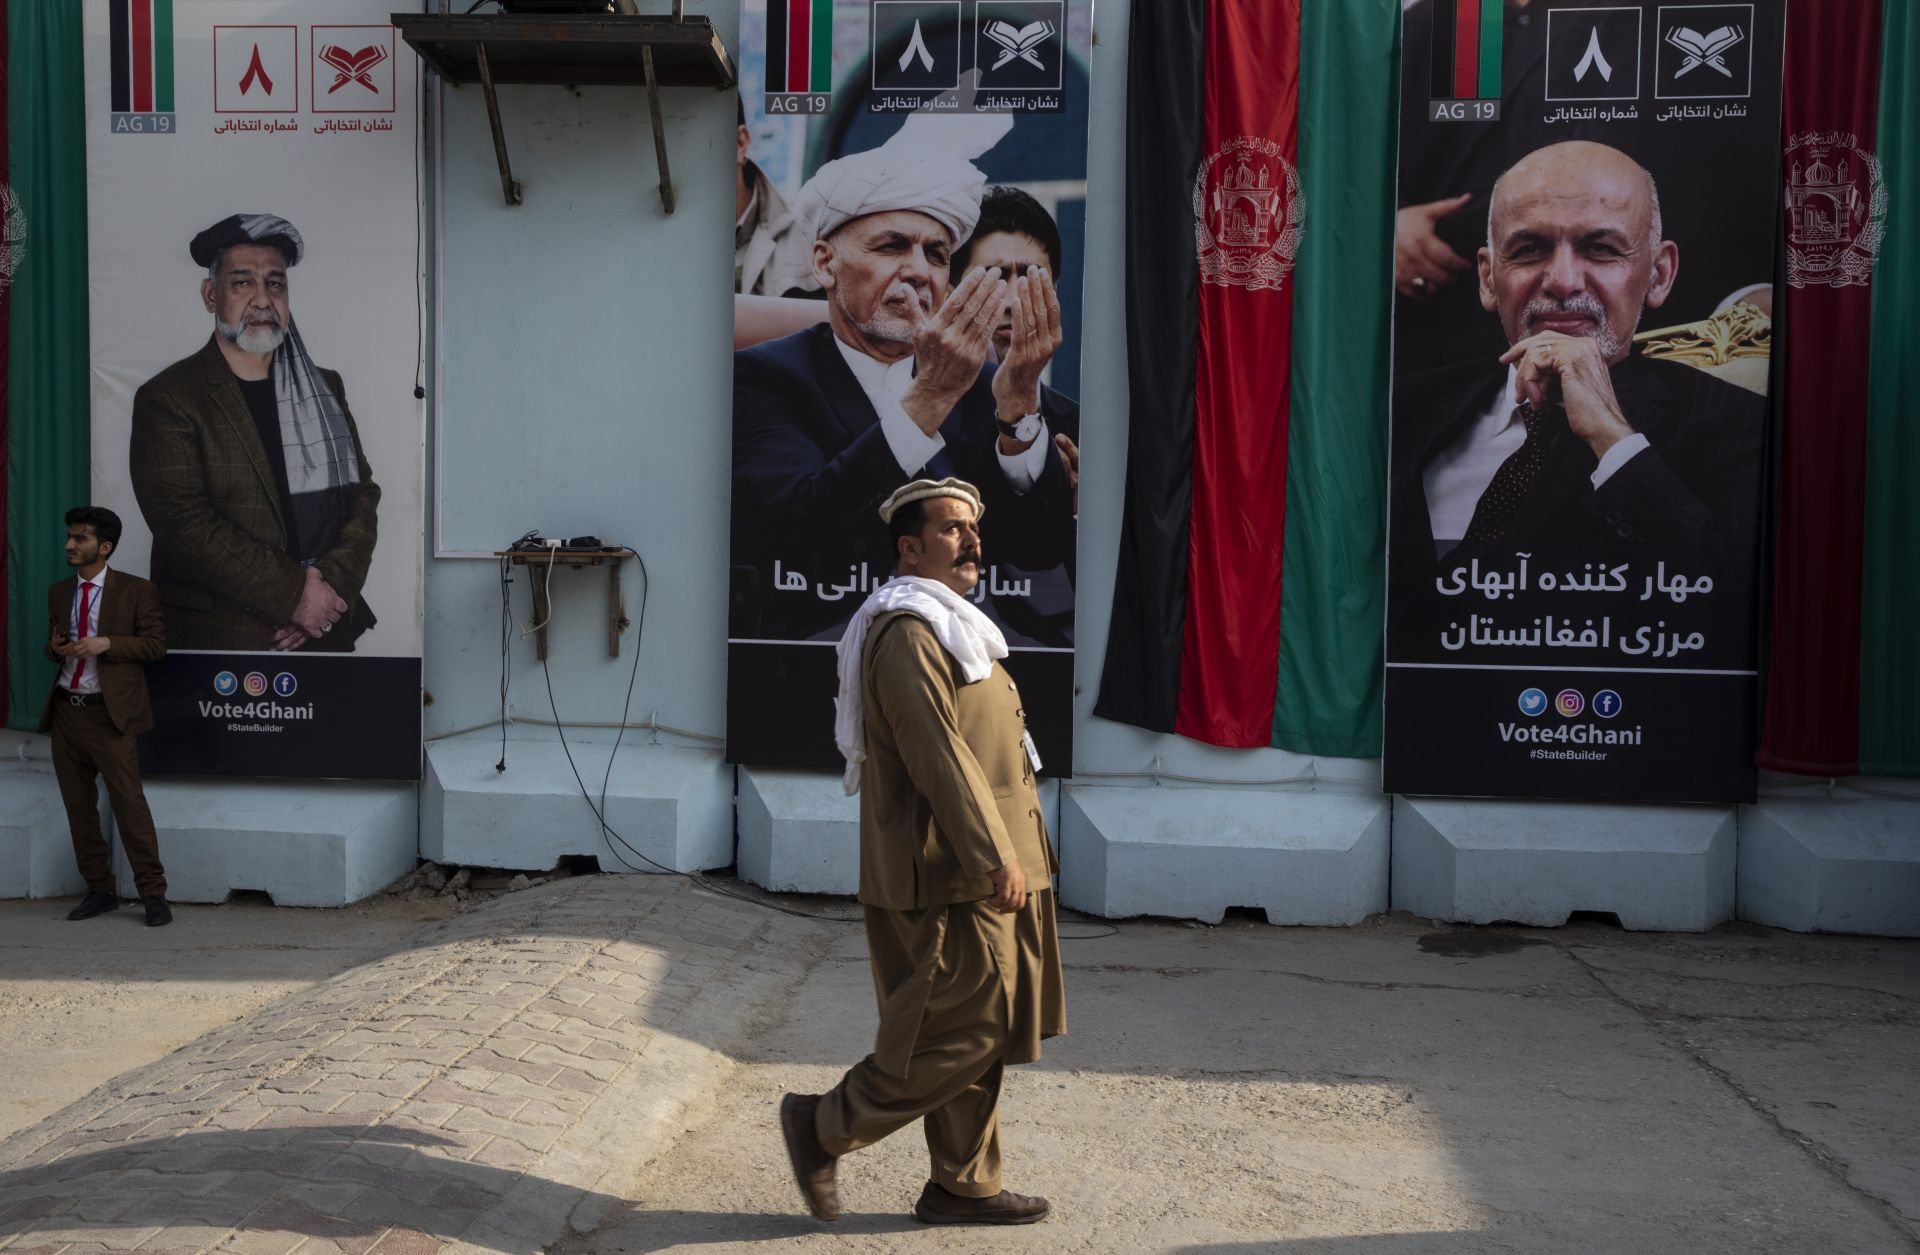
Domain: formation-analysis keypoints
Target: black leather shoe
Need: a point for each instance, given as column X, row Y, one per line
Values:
column 813, row 1167
column 95, row 903
column 158, row 912
column 938, row 1205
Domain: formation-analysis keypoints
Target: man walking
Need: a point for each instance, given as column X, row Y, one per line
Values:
column 955, row 875
column 101, row 625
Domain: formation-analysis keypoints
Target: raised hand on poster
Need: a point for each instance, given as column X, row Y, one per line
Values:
column 1571, row 371
column 950, row 347
column 1423, row 263
column 1036, row 338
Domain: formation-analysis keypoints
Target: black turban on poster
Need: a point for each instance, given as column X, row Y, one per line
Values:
column 268, row 229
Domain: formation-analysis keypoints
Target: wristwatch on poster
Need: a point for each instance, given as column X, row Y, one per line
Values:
column 1026, row 431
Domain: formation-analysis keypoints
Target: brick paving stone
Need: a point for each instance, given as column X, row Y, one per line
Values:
column 294, row 1215
column 382, row 1207
column 295, row 1118
column 520, row 1087
column 602, row 1070
column 567, row 1011
column 262, row 1242
column 107, row 1237
column 540, row 1073
column 505, row 1153
column 407, row 1242
column 574, row 1079
column 461, row 1097
column 534, row 1137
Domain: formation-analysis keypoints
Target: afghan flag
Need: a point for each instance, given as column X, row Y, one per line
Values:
column 1843, row 673
column 799, row 45
column 1248, row 604
column 44, row 415
column 140, row 38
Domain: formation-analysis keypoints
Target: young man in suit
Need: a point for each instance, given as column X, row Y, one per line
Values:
column 101, row 625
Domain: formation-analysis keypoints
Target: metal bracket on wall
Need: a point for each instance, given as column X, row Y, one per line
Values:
column 659, row 129
column 572, row 50
column 509, row 186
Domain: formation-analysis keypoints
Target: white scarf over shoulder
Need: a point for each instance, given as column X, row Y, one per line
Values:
column 973, row 640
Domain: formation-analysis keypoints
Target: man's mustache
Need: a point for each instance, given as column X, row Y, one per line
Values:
column 1547, row 307
column 267, row 319
column 968, row 555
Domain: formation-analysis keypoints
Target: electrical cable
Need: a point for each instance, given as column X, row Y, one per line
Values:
column 506, row 657
column 600, row 810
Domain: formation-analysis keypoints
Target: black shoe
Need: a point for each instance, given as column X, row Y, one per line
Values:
column 158, row 912
column 938, row 1206
column 813, row 1167
column 95, row 903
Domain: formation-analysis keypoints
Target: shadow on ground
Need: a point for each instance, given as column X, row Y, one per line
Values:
column 347, row 1185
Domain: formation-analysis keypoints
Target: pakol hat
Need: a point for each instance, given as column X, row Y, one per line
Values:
column 268, row 229
column 921, row 489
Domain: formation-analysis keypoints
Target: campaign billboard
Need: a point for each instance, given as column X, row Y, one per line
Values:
column 254, row 257
column 1585, row 251
column 896, row 161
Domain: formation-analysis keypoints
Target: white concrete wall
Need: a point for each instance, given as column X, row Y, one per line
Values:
column 586, row 387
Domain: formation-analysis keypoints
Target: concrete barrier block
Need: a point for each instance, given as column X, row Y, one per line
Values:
column 323, row 843
column 1655, row 867
column 1843, row 865
column 670, row 805
column 800, row 832
column 36, row 850
column 1305, row 858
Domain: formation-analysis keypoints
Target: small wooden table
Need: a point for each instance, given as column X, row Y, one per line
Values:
column 540, row 563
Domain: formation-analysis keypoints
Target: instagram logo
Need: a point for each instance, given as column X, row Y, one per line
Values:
column 1569, row 702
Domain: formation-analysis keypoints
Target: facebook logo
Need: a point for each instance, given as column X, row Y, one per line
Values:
column 1606, row 703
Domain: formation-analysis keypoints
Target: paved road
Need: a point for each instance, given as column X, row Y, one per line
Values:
column 591, row 1067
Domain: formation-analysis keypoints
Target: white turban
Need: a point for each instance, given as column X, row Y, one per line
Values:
column 927, row 167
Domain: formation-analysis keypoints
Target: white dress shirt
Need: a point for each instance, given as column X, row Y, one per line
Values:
column 77, row 631
column 1459, row 476
column 886, row 383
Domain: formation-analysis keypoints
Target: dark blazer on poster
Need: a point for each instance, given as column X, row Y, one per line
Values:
column 131, row 620
column 1696, row 484
column 208, row 494
column 811, row 467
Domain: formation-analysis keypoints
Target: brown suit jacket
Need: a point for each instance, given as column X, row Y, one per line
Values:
column 208, row 494
column 131, row 620
column 946, row 795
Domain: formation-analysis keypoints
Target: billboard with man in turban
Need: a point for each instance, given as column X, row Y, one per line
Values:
column 256, row 414
column 909, row 348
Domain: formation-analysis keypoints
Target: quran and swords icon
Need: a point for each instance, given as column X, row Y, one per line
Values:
column 1019, row 42
column 1708, row 49
column 353, row 67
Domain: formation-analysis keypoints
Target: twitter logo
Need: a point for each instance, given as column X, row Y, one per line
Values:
column 1533, row 702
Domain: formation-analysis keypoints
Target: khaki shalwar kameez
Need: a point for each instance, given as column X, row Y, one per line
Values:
column 947, row 796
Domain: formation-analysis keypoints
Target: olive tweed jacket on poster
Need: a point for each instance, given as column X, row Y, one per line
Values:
column 208, row 494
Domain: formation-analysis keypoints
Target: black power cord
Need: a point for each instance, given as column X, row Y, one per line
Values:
column 600, row 810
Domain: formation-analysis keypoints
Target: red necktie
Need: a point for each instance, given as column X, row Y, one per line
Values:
column 80, row 633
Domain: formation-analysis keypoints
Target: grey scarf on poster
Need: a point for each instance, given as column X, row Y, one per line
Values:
column 323, row 468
